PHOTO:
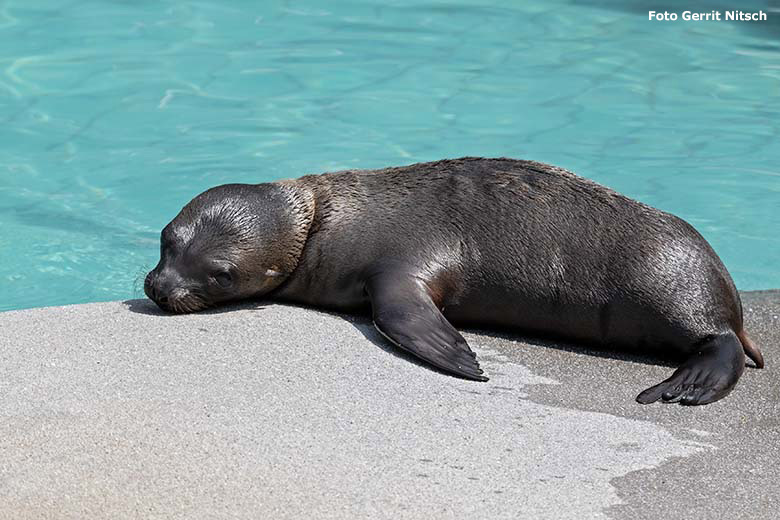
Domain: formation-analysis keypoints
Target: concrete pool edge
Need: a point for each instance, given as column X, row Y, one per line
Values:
column 124, row 410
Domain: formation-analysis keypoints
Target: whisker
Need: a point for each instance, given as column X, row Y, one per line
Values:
column 138, row 280
column 194, row 300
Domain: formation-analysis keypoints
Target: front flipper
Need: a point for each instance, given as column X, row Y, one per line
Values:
column 406, row 315
column 707, row 376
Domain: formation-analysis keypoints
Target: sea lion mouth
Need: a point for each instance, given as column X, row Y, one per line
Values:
column 183, row 301
column 180, row 300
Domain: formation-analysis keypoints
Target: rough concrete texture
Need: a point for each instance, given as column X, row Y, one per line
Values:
column 267, row 411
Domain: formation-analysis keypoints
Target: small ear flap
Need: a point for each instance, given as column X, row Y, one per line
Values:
column 271, row 273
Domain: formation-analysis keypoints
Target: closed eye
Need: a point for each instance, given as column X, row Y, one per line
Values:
column 223, row 279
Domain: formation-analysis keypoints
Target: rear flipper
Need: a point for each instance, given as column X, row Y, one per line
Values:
column 751, row 350
column 708, row 375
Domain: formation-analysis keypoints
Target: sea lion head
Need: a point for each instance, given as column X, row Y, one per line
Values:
column 230, row 242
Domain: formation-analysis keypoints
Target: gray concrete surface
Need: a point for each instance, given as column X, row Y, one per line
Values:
column 267, row 411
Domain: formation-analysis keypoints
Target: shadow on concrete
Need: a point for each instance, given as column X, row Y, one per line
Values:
column 363, row 323
column 561, row 344
column 148, row 307
column 366, row 328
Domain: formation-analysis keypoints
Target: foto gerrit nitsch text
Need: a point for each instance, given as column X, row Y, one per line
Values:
column 709, row 16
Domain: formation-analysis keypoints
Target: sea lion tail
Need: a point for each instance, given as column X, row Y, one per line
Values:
column 751, row 350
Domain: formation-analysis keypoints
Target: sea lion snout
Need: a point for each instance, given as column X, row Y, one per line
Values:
column 168, row 290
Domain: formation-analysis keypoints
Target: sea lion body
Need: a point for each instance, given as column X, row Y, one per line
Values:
column 510, row 243
column 518, row 244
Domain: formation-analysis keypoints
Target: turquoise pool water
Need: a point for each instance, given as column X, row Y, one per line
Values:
column 114, row 114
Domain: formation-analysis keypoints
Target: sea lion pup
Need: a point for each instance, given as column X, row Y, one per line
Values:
column 472, row 241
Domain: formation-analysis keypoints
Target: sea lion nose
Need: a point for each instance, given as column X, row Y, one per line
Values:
column 150, row 286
